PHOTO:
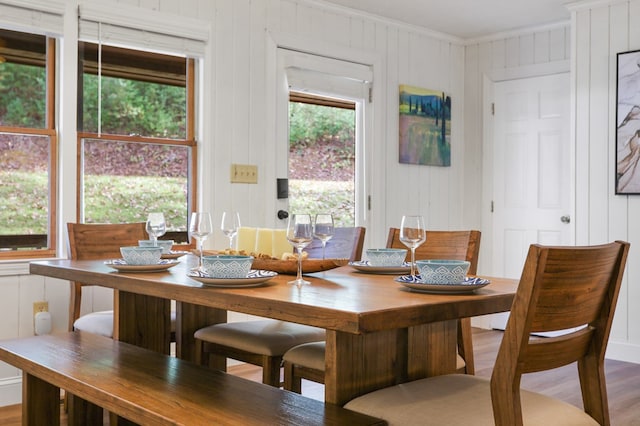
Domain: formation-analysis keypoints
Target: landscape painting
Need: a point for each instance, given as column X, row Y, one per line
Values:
column 628, row 124
column 425, row 126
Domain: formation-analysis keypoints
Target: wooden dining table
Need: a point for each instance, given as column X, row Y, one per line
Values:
column 378, row 333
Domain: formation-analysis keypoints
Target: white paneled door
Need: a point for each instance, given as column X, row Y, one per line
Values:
column 532, row 166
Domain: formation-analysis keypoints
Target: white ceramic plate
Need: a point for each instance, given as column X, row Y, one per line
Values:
column 256, row 277
column 121, row 265
column 173, row 254
column 364, row 266
column 469, row 285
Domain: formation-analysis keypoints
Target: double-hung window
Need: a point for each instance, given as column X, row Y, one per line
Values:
column 28, row 145
column 137, row 150
column 136, row 143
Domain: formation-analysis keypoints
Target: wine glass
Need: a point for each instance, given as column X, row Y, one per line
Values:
column 412, row 235
column 323, row 229
column 156, row 226
column 200, row 228
column 229, row 226
column 300, row 235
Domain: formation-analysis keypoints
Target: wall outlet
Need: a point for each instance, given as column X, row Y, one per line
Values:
column 42, row 306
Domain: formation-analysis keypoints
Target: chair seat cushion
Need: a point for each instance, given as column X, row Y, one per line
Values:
column 265, row 337
column 101, row 323
column 460, row 399
column 96, row 323
column 308, row 355
column 311, row 355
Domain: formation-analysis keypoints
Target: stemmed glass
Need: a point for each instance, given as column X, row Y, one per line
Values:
column 323, row 229
column 156, row 226
column 229, row 226
column 300, row 235
column 200, row 228
column 412, row 235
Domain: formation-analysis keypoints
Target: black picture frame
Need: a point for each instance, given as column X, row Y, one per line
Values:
column 628, row 122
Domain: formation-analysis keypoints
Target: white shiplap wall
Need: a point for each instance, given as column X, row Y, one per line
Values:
column 601, row 30
column 502, row 57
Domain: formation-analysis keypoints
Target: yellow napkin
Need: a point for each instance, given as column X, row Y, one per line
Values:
column 280, row 243
column 246, row 239
column 264, row 240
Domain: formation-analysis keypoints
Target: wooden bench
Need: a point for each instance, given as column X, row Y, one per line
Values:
column 146, row 387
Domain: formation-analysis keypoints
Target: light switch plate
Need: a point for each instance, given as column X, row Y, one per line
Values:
column 244, row 173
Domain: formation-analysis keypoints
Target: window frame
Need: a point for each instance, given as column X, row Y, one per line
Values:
column 49, row 130
column 189, row 141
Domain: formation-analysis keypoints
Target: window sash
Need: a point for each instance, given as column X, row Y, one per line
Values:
column 50, row 131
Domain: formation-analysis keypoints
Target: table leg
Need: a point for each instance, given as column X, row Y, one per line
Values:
column 432, row 349
column 360, row 363
column 81, row 412
column 190, row 318
column 40, row 402
column 145, row 321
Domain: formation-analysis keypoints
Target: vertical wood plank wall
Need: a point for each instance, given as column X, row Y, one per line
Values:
column 235, row 94
column 601, row 30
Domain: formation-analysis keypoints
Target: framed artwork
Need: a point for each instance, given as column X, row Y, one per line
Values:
column 628, row 123
column 425, row 126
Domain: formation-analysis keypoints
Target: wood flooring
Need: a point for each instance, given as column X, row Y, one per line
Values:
column 623, row 383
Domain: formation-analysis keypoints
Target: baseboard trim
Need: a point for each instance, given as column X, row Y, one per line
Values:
column 623, row 351
column 10, row 391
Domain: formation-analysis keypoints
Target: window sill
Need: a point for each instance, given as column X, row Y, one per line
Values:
column 15, row 267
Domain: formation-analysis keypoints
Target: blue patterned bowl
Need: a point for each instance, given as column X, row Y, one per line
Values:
column 227, row 266
column 164, row 244
column 443, row 271
column 386, row 257
column 136, row 255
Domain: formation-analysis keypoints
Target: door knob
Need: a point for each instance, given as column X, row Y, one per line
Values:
column 283, row 214
column 565, row 219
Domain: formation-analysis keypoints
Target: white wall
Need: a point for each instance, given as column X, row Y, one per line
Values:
column 600, row 31
column 498, row 58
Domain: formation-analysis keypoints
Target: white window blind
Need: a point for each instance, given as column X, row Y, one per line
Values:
column 328, row 76
column 128, row 26
column 36, row 16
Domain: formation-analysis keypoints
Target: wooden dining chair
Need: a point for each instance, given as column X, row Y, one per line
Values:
column 264, row 342
column 306, row 361
column 561, row 289
column 89, row 241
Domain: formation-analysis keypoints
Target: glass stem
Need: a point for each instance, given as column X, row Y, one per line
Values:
column 299, row 277
column 413, row 261
column 324, row 244
column 200, row 249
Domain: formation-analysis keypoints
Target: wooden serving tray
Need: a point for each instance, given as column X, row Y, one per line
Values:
column 290, row 267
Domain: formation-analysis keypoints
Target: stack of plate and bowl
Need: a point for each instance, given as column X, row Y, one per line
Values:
column 141, row 259
column 230, row 271
column 442, row 276
column 383, row 261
